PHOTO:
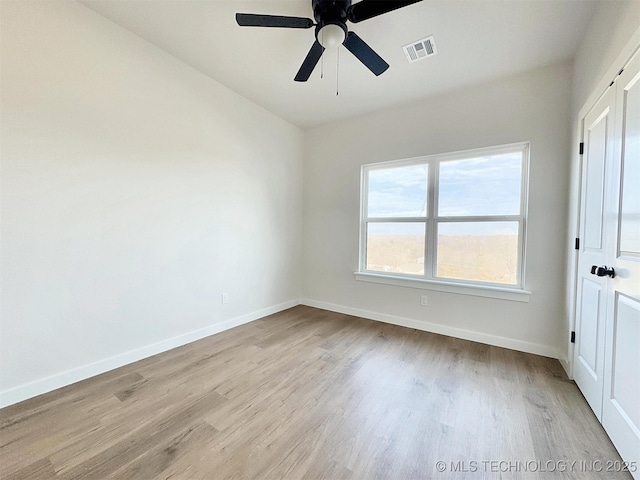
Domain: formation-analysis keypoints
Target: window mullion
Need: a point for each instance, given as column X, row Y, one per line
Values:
column 364, row 202
column 488, row 218
column 395, row 219
column 430, row 241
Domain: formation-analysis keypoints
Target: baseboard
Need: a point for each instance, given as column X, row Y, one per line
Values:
column 567, row 366
column 567, row 361
column 53, row 382
column 495, row 340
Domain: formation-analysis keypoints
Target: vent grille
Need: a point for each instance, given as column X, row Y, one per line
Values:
column 420, row 49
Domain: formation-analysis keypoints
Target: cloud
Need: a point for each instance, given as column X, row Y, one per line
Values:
column 493, row 189
column 482, row 186
column 398, row 191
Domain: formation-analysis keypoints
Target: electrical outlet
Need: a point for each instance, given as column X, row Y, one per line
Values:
column 225, row 298
column 423, row 300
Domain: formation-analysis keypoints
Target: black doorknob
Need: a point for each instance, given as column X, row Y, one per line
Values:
column 603, row 271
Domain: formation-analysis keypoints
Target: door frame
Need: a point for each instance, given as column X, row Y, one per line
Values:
column 575, row 195
column 590, row 377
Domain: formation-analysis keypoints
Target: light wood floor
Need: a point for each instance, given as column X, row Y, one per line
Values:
column 308, row 393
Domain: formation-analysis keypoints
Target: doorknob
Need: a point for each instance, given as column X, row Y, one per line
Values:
column 603, row 271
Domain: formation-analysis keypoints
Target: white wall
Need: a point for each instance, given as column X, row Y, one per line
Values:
column 531, row 107
column 612, row 25
column 612, row 36
column 135, row 191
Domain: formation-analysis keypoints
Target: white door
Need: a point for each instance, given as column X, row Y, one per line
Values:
column 591, row 301
column 621, row 402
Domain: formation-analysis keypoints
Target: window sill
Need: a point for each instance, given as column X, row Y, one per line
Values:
column 502, row 293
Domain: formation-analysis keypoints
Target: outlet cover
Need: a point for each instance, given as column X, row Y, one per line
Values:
column 423, row 300
column 225, row 298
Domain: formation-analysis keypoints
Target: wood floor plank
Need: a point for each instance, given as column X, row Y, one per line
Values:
column 312, row 394
column 154, row 461
column 39, row 470
column 156, row 433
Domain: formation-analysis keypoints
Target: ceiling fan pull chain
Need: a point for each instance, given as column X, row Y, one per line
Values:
column 322, row 57
column 337, row 71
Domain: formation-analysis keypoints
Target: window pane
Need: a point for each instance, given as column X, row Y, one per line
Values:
column 396, row 247
column 398, row 192
column 478, row 251
column 481, row 186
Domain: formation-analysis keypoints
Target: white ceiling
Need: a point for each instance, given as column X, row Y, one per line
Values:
column 477, row 41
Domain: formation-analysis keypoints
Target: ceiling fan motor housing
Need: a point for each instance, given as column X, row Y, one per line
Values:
column 330, row 11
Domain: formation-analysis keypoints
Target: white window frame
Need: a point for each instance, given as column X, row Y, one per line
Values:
column 429, row 280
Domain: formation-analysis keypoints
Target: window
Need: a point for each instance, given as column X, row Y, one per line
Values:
column 451, row 219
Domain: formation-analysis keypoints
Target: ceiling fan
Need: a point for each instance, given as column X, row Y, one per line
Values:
column 331, row 29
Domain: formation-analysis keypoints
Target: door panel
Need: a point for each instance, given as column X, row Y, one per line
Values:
column 625, row 387
column 630, row 196
column 621, row 407
column 594, row 192
column 591, row 292
column 621, row 404
column 592, row 315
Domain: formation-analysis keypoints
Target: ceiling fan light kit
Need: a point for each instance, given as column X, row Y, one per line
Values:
column 331, row 31
column 332, row 35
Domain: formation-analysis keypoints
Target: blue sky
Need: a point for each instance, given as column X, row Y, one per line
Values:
column 481, row 186
column 398, row 192
column 488, row 185
column 484, row 185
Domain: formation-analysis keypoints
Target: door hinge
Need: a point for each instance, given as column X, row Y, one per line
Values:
column 577, row 244
column 573, row 337
column 581, row 148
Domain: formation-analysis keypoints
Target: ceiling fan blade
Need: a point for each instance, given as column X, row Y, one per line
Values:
column 365, row 54
column 309, row 62
column 253, row 20
column 366, row 9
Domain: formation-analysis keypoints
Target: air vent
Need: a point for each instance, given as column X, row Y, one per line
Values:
column 420, row 49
